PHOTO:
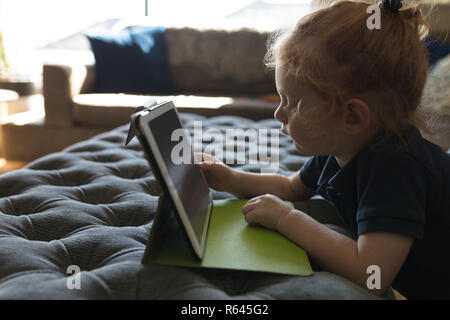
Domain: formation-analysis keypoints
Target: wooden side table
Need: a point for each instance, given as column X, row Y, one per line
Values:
column 5, row 97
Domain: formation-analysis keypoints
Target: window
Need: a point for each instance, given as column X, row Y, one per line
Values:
column 29, row 27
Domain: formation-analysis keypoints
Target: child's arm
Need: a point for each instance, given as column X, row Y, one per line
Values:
column 248, row 185
column 332, row 251
column 344, row 256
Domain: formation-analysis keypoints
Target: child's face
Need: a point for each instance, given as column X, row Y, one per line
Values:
column 316, row 137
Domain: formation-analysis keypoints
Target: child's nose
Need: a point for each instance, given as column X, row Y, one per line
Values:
column 280, row 115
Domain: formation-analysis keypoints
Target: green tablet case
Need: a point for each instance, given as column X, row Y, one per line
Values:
column 231, row 243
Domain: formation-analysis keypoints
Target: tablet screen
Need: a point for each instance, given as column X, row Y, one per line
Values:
column 187, row 178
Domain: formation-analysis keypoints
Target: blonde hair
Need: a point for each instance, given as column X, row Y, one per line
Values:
column 334, row 50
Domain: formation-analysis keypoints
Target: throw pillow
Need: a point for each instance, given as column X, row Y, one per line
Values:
column 436, row 50
column 132, row 61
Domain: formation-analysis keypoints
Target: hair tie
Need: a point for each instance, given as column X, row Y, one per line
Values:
column 391, row 5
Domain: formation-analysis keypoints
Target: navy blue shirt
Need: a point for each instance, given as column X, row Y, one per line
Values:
column 399, row 189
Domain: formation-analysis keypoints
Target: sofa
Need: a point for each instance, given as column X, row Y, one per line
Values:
column 212, row 71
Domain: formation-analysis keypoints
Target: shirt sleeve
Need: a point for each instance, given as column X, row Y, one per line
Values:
column 311, row 170
column 392, row 194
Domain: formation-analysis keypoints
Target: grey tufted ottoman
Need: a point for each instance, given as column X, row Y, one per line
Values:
column 91, row 207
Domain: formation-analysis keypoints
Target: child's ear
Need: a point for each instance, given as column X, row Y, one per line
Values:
column 356, row 116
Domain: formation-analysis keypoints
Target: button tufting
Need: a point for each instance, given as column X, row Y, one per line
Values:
column 92, row 205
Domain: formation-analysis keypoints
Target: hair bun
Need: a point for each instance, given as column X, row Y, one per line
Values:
column 391, row 5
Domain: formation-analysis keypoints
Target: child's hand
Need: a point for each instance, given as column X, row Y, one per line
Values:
column 218, row 175
column 265, row 210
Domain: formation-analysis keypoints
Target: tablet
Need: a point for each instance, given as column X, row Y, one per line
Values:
column 161, row 133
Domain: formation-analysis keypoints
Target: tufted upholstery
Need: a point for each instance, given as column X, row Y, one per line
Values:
column 92, row 205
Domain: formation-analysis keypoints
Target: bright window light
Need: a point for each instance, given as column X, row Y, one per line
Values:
column 34, row 31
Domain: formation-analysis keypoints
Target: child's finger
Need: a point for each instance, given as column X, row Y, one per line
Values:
column 206, row 165
column 199, row 156
column 206, row 157
column 247, row 208
column 249, row 202
column 251, row 219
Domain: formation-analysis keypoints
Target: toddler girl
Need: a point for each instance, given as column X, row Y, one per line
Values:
column 349, row 98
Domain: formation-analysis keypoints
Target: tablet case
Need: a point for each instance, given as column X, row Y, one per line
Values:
column 231, row 243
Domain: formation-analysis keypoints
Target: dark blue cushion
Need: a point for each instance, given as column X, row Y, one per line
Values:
column 132, row 61
column 437, row 50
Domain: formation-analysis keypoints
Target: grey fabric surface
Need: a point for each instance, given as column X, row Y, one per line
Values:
column 93, row 204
